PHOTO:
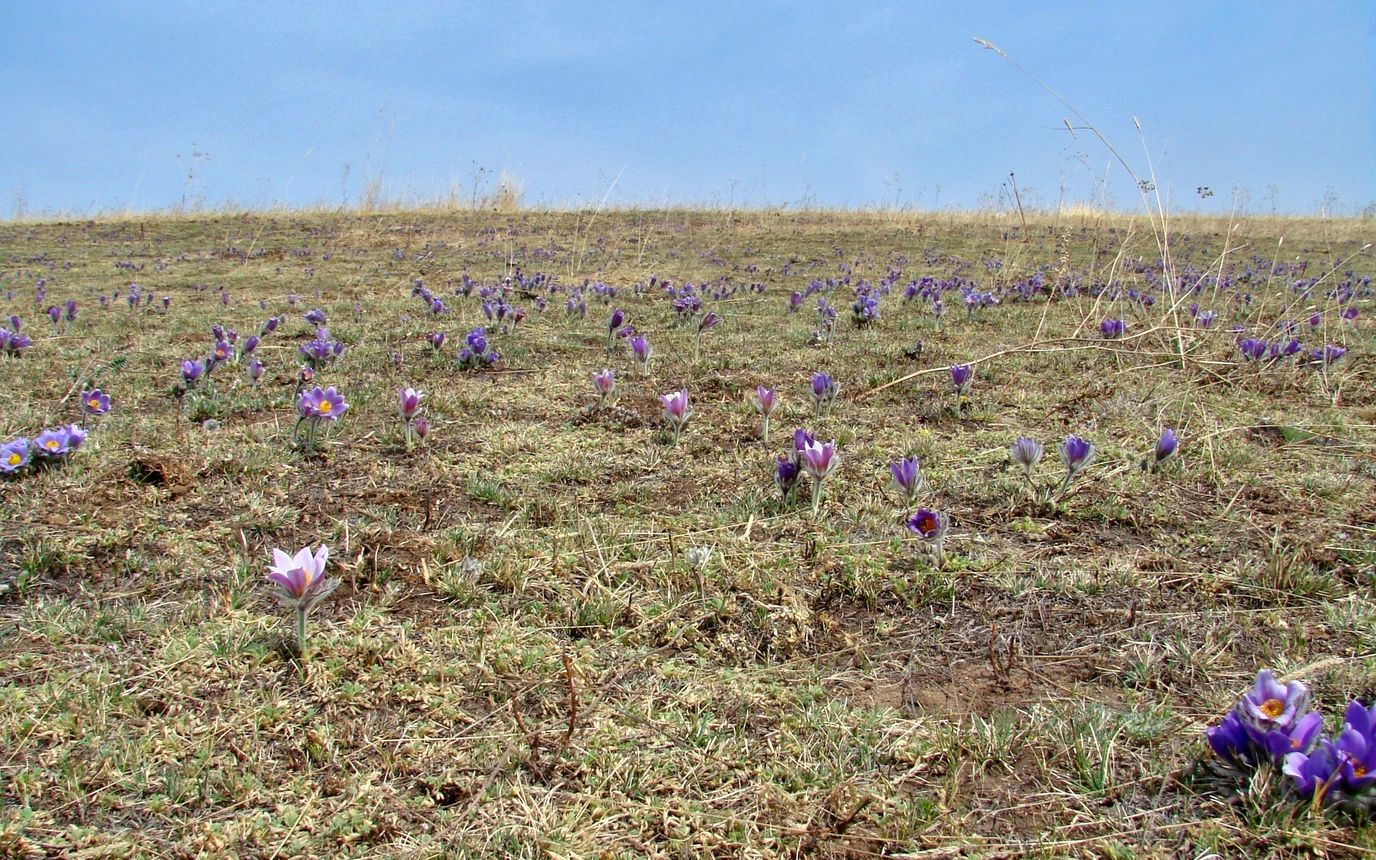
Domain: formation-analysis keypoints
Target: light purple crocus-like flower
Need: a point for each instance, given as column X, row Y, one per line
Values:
column 641, row 350
column 322, row 404
column 604, row 383
column 1271, row 705
column 76, row 437
column 250, row 344
column 819, row 460
column 421, row 427
column 270, row 325
column 907, row 478
column 676, row 411
column 1076, row 453
column 766, row 401
column 192, row 371
column 95, row 402
column 436, row 340
column 1026, row 453
column 315, row 317
column 14, row 455
column 408, row 403
column 255, row 370
column 301, row 584
column 824, row 392
column 1327, row 355
column 53, row 443
column 222, row 352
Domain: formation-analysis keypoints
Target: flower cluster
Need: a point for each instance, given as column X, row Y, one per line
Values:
column 322, row 350
column 314, row 407
column 818, row 460
column 12, row 342
column 477, row 353
column 1272, row 725
column 1076, row 453
column 49, row 448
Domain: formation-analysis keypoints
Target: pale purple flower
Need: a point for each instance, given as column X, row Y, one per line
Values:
column 323, row 404
column 255, row 370
column 14, row 455
column 676, row 410
column 824, row 391
column 192, row 371
column 95, row 402
column 907, row 477
column 1077, row 453
column 408, row 404
column 819, row 460
column 1166, row 445
column 53, row 443
column 1027, row 453
column 604, row 382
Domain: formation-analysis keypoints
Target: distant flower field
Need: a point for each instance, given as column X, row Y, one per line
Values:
column 687, row 534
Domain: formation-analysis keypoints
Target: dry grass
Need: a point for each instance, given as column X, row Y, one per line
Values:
column 521, row 663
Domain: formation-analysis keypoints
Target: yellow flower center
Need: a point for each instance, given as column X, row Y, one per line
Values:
column 51, row 445
column 1272, row 708
column 1358, row 769
column 93, row 403
column 15, row 459
column 325, row 407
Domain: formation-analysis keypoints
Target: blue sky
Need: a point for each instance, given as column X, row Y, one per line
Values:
column 112, row 106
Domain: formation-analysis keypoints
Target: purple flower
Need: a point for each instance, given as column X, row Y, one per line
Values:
column 408, row 403
column 271, row 324
column 315, row 316
column 1252, row 348
column 166, row 302
column 1231, row 742
column 76, row 437
column 95, row 402
column 709, row 320
column 1326, row 356
column 961, row 377
column 928, row 525
column 676, row 410
column 1027, row 453
column 1166, row 446
column 640, row 348
column 1076, row 453
column 1272, row 706
column 1312, row 772
column 14, row 455
column 222, row 352
column 618, row 317
column 321, row 404
column 192, row 371
column 254, row 370
column 824, row 391
column 604, row 381
column 301, row 584
column 785, row 475
column 70, row 307
column 801, row 439
column 1112, row 329
column 436, row 340
column 250, row 344
column 477, row 340
column 53, row 443
column 55, row 314
column 819, row 459
column 1355, row 748
column 766, row 401
column 907, row 477
column 15, row 322
column 421, row 426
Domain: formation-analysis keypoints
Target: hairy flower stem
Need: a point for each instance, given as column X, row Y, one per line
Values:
column 764, row 430
column 816, row 495
column 301, row 633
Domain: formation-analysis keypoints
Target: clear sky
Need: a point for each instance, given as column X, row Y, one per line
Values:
column 138, row 105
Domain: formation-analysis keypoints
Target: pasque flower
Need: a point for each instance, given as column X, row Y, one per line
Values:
column 14, row 455
column 1026, row 453
column 766, row 401
column 824, row 392
column 95, row 402
column 604, row 383
column 408, row 403
column 962, row 375
column 301, row 584
column 907, row 478
column 819, row 460
column 324, row 404
column 640, row 349
column 676, row 411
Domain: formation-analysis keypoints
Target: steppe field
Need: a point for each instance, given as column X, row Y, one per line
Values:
column 575, row 622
